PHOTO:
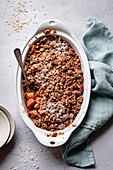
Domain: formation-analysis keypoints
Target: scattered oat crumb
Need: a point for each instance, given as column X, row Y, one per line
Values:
column 43, row 6
column 44, row 13
column 21, row 159
column 19, row 147
column 29, row 149
column 35, row 16
column 26, row 131
column 9, row 65
column 24, row 150
column 11, row 165
column 34, row 165
column 17, row 38
column 32, row 158
column 25, row 161
column 37, row 167
column 41, row 150
column 20, row 156
column 16, row 20
column 28, row 152
column 19, row 10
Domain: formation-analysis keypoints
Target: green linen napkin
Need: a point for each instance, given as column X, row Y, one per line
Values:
column 98, row 45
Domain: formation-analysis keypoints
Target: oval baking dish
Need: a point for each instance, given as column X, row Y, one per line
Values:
column 46, row 137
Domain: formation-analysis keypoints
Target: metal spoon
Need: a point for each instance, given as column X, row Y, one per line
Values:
column 18, row 56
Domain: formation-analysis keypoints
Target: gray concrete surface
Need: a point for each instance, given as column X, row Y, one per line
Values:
column 74, row 14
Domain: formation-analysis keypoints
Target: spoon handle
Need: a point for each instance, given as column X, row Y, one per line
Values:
column 18, row 56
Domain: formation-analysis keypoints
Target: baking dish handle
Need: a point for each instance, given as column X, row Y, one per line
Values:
column 53, row 24
column 52, row 141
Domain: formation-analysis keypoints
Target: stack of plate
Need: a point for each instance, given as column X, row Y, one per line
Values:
column 7, row 126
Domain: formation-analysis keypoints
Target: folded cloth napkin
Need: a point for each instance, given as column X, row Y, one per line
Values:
column 98, row 45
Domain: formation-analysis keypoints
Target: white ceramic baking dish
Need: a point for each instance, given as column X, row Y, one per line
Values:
column 41, row 134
